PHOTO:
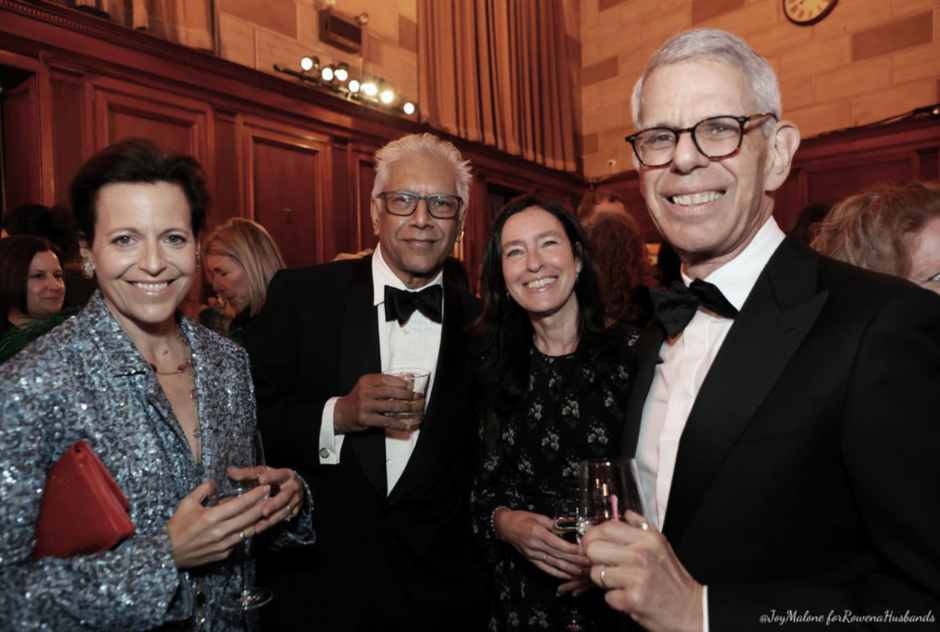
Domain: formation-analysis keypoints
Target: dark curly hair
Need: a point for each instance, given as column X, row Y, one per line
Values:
column 132, row 161
column 622, row 262
column 502, row 335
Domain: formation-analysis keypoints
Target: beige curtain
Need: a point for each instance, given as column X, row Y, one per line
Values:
column 497, row 72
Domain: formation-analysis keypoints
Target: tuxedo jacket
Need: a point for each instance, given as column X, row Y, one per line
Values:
column 807, row 477
column 406, row 560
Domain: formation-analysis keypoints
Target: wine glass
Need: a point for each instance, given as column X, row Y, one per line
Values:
column 608, row 488
column 565, row 526
column 241, row 451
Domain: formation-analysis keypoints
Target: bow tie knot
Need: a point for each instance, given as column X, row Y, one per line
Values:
column 677, row 308
column 401, row 304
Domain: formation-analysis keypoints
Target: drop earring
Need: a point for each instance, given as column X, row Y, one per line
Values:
column 88, row 269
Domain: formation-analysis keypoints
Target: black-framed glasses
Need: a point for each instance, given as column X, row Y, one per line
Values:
column 715, row 137
column 440, row 205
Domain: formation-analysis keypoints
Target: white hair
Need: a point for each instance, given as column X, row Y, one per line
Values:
column 713, row 45
column 427, row 145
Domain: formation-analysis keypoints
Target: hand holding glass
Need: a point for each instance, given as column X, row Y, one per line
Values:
column 235, row 455
column 417, row 380
column 608, row 489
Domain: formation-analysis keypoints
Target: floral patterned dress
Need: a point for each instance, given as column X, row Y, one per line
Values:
column 533, row 454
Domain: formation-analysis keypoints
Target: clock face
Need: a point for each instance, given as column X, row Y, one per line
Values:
column 807, row 11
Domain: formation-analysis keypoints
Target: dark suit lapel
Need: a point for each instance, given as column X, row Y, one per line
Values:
column 360, row 356
column 437, row 427
column 651, row 343
column 774, row 320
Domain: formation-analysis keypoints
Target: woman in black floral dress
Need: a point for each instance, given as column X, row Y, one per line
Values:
column 554, row 383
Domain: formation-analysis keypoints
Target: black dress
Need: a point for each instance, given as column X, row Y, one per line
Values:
column 531, row 453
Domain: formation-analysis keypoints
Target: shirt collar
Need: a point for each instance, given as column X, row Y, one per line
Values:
column 736, row 278
column 382, row 275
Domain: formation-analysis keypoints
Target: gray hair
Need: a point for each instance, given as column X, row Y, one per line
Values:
column 721, row 47
column 427, row 145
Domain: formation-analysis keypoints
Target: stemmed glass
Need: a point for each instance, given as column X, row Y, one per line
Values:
column 241, row 452
column 608, row 489
column 565, row 526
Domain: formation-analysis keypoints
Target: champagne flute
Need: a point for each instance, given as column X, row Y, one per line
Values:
column 608, row 489
column 565, row 526
column 240, row 451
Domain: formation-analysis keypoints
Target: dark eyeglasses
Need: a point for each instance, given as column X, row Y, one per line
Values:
column 403, row 203
column 715, row 137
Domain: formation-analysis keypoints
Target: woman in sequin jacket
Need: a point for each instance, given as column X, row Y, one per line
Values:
column 164, row 404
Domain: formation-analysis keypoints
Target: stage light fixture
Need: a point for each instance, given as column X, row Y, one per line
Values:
column 327, row 73
column 370, row 89
column 341, row 73
column 409, row 108
column 353, row 86
column 387, row 96
column 309, row 63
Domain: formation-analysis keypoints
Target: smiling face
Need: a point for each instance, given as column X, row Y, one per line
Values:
column 45, row 288
column 415, row 247
column 144, row 252
column 540, row 268
column 229, row 281
column 709, row 210
column 925, row 257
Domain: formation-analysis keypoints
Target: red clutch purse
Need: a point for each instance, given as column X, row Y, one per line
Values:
column 83, row 510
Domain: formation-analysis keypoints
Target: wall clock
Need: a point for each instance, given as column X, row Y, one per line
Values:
column 805, row 12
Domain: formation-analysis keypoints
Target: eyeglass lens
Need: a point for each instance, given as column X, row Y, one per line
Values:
column 404, row 203
column 715, row 138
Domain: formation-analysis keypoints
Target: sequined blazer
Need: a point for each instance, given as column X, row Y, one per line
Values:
column 86, row 380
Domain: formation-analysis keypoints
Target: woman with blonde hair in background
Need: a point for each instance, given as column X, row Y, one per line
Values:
column 240, row 259
column 890, row 229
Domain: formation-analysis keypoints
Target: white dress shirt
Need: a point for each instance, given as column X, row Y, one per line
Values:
column 686, row 360
column 413, row 345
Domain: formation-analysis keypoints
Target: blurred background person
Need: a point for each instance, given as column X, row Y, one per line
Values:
column 555, row 383
column 56, row 225
column 890, row 229
column 240, row 257
column 32, row 291
column 599, row 201
column 804, row 227
column 162, row 402
column 623, row 263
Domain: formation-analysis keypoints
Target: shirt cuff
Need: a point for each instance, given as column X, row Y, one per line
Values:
column 330, row 444
column 704, row 608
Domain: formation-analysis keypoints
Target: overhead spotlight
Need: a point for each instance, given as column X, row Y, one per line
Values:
column 387, row 96
column 409, row 108
column 309, row 63
column 353, row 86
column 327, row 73
column 341, row 73
column 370, row 89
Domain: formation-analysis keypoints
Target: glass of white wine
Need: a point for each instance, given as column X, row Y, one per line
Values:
column 608, row 488
column 240, row 451
column 565, row 526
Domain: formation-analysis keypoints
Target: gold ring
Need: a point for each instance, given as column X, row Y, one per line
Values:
column 241, row 536
column 603, row 580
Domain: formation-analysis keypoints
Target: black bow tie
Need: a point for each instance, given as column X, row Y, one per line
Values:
column 401, row 304
column 676, row 309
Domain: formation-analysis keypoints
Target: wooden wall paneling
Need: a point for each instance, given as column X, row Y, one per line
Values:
column 928, row 164
column 364, row 166
column 22, row 164
column 340, row 204
column 285, row 173
column 70, row 128
column 228, row 194
column 178, row 124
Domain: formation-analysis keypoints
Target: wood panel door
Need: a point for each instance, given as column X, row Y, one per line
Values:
column 285, row 174
column 174, row 123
